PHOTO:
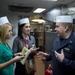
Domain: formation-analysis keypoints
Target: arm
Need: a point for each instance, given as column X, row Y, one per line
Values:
column 6, row 64
column 33, row 46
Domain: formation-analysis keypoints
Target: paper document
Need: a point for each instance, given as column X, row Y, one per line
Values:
column 25, row 52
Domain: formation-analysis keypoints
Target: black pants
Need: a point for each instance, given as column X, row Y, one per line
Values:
column 20, row 69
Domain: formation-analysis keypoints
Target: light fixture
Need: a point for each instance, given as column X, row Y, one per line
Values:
column 39, row 10
column 71, row 10
column 49, row 0
column 38, row 20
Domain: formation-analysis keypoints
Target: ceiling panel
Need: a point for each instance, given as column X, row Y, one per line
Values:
column 32, row 4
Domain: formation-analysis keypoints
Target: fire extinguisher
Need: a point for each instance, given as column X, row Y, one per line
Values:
column 48, row 71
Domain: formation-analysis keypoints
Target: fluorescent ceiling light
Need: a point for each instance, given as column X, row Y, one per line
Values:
column 71, row 9
column 38, row 20
column 39, row 10
column 49, row 0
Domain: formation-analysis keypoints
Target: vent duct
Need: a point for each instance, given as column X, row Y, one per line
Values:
column 20, row 9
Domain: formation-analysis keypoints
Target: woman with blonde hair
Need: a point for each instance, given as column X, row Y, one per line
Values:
column 6, row 60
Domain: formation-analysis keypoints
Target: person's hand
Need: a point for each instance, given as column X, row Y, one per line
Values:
column 18, row 54
column 32, row 50
column 59, row 56
column 42, row 55
column 18, row 58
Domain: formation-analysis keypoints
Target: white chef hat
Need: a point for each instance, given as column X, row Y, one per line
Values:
column 64, row 19
column 3, row 20
column 23, row 21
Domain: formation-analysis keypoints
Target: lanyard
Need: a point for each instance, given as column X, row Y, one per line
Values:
column 26, row 42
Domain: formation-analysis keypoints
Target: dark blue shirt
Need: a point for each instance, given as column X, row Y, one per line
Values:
column 67, row 67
